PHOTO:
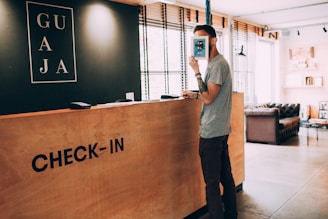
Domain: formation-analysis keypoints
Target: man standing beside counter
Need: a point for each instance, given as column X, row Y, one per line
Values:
column 216, row 94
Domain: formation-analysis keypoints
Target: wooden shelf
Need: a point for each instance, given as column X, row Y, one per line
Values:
column 303, row 81
column 302, row 86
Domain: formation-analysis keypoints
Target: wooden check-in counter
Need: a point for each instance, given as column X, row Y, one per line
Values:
column 120, row 160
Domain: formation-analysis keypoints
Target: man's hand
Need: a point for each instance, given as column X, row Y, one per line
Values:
column 194, row 64
column 187, row 94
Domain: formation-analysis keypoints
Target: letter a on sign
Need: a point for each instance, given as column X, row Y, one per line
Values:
column 51, row 43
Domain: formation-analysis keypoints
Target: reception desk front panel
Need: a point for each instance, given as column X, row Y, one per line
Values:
column 127, row 160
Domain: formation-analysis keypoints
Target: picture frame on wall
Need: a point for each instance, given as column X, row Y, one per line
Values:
column 323, row 110
column 323, row 105
column 200, row 47
column 323, row 114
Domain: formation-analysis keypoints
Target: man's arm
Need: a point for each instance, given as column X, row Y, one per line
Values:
column 212, row 92
column 208, row 92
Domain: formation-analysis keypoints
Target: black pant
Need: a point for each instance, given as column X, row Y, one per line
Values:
column 216, row 168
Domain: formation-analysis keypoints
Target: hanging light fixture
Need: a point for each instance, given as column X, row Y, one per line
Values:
column 242, row 51
column 324, row 29
column 298, row 32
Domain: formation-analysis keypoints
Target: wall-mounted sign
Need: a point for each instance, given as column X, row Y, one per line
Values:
column 51, row 43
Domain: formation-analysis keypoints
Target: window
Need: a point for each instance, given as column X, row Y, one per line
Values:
column 243, row 47
column 162, row 51
column 165, row 45
column 165, row 59
column 264, row 81
column 252, row 63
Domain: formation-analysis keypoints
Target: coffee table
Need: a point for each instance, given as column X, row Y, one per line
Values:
column 317, row 123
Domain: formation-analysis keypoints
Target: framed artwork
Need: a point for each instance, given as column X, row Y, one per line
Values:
column 323, row 110
column 323, row 105
column 200, row 47
column 302, row 57
column 323, row 114
column 301, row 53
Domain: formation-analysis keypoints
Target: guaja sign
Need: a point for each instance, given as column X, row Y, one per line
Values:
column 51, row 43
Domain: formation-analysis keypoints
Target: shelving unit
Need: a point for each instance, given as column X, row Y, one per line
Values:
column 303, row 78
column 302, row 71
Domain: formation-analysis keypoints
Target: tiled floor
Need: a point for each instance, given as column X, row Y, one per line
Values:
column 287, row 181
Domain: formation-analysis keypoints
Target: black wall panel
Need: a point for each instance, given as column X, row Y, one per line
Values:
column 107, row 65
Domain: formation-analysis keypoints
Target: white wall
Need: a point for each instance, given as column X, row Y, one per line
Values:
column 309, row 36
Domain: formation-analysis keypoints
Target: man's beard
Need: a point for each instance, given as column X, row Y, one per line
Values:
column 210, row 47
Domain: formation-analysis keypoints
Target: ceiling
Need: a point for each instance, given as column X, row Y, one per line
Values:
column 276, row 14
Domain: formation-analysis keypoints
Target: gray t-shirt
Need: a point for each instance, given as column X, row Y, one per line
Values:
column 215, row 117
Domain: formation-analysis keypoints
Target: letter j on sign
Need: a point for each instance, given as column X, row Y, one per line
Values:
column 51, row 43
